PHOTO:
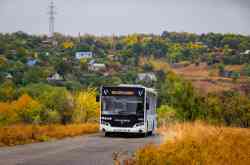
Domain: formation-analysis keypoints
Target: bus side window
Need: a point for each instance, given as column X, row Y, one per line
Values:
column 147, row 103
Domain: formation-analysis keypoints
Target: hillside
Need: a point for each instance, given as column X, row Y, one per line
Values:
column 208, row 80
column 45, row 80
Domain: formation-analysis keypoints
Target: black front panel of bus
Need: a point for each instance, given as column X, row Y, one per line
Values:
column 122, row 121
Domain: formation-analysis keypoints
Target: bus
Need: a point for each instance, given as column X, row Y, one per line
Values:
column 128, row 109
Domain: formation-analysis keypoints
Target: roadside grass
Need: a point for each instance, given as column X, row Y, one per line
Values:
column 197, row 143
column 22, row 134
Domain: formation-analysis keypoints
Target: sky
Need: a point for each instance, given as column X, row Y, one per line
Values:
column 121, row 17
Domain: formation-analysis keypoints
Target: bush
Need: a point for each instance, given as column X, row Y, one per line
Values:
column 22, row 134
column 53, row 99
column 181, row 95
column 166, row 115
column 7, row 91
column 246, row 70
column 25, row 109
column 230, row 108
column 235, row 76
column 7, row 116
column 221, row 68
column 236, row 109
column 53, row 117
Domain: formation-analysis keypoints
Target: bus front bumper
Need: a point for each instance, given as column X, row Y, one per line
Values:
column 138, row 129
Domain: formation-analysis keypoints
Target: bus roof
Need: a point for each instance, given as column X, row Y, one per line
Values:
column 138, row 86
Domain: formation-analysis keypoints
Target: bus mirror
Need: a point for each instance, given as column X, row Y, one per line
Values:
column 97, row 98
column 147, row 106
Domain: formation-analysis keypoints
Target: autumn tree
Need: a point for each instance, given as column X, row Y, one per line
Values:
column 86, row 107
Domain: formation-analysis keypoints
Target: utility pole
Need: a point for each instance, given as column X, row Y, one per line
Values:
column 51, row 19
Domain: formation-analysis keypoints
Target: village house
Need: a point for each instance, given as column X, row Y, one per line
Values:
column 55, row 77
column 247, row 52
column 112, row 57
column 146, row 77
column 13, row 52
column 82, row 55
column 93, row 66
column 8, row 76
column 231, row 71
column 31, row 62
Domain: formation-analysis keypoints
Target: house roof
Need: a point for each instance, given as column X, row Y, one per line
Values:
column 91, row 62
column 8, row 76
column 143, row 76
column 99, row 65
column 31, row 62
column 55, row 76
column 246, row 52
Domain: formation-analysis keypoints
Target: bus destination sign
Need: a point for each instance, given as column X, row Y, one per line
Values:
column 122, row 91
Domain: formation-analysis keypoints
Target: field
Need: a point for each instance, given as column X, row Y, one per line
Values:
column 207, row 79
column 197, row 143
column 22, row 134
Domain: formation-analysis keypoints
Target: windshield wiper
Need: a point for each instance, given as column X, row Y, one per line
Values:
column 123, row 112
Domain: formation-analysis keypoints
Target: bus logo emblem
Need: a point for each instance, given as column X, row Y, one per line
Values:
column 140, row 93
column 105, row 92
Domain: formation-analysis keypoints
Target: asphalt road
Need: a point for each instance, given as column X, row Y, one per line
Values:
column 84, row 150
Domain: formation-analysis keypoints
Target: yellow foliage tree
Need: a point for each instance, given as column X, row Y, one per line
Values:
column 86, row 107
column 84, row 63
column 7, row 90
column 131, row 39
column 7, row 113
column 27, row 109
column 3, row 61
column 68, row 44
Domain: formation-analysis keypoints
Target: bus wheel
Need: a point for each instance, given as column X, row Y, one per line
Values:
column 153, row 130
column 107, row 134
column 150, row 133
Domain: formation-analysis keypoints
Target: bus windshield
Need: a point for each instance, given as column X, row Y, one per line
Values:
column 122, row 105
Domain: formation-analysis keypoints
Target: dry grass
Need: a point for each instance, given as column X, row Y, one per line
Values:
column 198, row 143
column 22, row 134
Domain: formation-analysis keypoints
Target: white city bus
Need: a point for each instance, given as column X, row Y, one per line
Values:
column 128, row 108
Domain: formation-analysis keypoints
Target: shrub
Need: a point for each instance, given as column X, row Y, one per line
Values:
column 235, row 76
column 25, row 109
column 7, row 91
column 7, row 114
column 246, row 70
column 221, row 68
column 21, row 134
column 53, row 117
column 181, row 95
column 166, row 115
column 236, row 109
column 53, row 99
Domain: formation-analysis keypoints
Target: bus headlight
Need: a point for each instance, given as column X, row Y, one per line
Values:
column 105, row 123
column 139, row 124
column 106, row 118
